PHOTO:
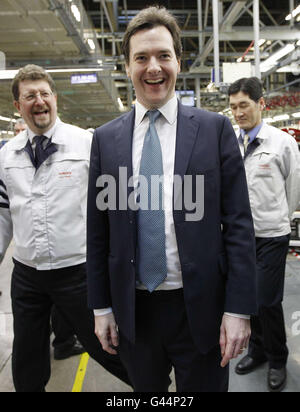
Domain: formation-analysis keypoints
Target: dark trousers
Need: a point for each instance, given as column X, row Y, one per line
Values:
column 64, row 337
column 33, row 295
column 268, row 339
column 163, row 340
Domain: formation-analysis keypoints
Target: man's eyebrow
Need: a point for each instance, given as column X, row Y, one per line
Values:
column 138, row 53
column 242, row 102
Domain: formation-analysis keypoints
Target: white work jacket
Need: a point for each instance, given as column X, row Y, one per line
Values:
column 273, row 177
column 45, row 210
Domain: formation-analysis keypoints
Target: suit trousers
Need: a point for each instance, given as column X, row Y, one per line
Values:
column 64, row 337
column 268, row 338
column 33, row 294
column 163, row 341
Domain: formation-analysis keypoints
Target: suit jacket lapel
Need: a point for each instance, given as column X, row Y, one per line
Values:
column 187, row 130
column 124, row 138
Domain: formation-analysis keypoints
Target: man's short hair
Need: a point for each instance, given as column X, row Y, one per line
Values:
column 251, row 86
column 20, row 121
column 31, row 72
column 149, row 18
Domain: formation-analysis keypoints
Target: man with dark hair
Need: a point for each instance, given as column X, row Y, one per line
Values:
column 272, row 165
column 163, row 283
column 43, row 188
column 251, row 86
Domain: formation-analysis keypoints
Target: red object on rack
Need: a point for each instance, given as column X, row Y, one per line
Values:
column 275, row 102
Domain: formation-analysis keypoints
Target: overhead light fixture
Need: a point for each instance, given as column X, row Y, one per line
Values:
column 268, row 120
column 274, row 58
column 261, row 42
column 76, row 12
column 91, row 44
column 120, row 104
column 7, row 119
column 74, row 70
column 296, row 115
column 281, row 117
column 10, row 133
column 292, row 68
column 293, row 14
column 7, row 74
column 10, row 74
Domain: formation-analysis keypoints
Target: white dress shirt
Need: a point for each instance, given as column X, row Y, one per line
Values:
column 166, row 127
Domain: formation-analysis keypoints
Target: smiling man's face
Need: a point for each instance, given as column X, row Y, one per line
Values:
column 153, row 66
column 37, row 105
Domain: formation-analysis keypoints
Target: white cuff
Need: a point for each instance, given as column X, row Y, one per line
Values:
column 102, row 312
column 236, row 315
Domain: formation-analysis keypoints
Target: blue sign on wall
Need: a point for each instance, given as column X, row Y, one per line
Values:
column 84, row 78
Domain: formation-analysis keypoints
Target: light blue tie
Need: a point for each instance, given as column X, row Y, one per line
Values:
column 151, row 251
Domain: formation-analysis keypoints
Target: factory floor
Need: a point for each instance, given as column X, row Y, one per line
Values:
column 82, row 374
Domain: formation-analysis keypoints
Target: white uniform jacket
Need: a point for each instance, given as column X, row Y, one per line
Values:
column 273, row 176
column 45, row 210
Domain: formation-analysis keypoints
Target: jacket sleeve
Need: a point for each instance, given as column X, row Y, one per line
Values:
column 6, row 227
column 97, row 237
column 291, row 170
column 238, row 230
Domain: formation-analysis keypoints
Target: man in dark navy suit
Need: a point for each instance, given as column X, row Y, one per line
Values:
column 171, row 264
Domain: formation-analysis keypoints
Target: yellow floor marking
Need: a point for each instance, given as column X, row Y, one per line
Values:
column 81, row 371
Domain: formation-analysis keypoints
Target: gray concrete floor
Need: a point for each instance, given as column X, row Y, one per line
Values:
column 98, row 380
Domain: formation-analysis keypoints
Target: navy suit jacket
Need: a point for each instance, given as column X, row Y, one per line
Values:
column 217, row 253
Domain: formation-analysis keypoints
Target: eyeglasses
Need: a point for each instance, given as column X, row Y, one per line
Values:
column 44, row 95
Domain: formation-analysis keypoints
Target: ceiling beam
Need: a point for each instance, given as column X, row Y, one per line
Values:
column 244, row 33
column 58, row 8
column 228, row 20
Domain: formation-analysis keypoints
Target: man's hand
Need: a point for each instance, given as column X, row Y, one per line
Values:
column 234, row 338
column 106, row 332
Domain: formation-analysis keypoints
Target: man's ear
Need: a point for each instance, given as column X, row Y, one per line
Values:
column 262, row 103
column 17, row 105
column 179, row 66
column 127, row 70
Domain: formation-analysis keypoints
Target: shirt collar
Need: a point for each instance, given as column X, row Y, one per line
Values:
column 49, row 134
column 252, row 133
column 169, row 111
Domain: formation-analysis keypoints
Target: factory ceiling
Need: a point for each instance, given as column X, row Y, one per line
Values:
column 70, row 37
